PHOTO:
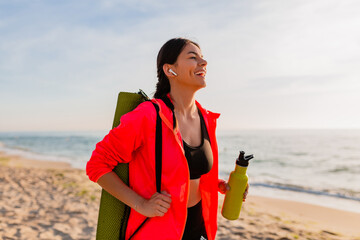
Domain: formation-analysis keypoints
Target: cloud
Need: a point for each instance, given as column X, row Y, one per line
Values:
column 77, row 55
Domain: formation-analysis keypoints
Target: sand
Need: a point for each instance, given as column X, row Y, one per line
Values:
column 47, row 200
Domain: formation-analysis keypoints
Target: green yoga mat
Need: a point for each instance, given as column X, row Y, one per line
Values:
column 113, row 214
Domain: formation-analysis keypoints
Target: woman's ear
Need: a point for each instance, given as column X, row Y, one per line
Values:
column 169, row 72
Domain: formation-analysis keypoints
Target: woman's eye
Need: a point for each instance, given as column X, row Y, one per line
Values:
column 193, row 57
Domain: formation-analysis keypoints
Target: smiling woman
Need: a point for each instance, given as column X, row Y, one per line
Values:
column 168, row 62
column 190, row 69
column 187, row 206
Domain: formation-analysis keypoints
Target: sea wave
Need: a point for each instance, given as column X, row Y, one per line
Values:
column 346, row 169
column 329, row 193
column 27, row 153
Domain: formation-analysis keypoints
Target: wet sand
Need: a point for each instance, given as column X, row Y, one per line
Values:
column 50, row 200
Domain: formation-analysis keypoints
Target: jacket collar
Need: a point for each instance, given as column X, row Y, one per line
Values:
column 167, row 111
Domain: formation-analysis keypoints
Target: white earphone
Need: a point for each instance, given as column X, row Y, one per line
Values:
column 170, row 70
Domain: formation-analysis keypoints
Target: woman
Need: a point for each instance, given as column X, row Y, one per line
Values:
column 187, row 207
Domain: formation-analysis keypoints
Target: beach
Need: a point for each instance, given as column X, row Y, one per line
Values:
column 52, row 200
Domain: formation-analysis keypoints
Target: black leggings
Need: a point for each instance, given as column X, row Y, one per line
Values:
column 195, row 226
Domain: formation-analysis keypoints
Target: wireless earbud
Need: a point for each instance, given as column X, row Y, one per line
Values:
column 170, row 70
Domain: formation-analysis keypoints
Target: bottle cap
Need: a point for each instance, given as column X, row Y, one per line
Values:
column 243, row 160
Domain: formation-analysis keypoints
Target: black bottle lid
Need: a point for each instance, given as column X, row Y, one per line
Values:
column 243, row 160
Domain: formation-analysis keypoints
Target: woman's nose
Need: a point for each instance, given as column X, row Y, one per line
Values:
column 203, row 62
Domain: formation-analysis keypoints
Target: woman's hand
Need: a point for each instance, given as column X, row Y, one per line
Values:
column 156, row 206
column 224, row 187
column 246, row 192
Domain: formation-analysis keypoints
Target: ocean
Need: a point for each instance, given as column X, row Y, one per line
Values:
column 314, row 166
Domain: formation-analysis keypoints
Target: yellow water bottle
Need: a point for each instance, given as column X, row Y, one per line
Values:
column 237, row 181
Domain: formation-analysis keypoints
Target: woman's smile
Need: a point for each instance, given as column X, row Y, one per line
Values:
column 201, row 73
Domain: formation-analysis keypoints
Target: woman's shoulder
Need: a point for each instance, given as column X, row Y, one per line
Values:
column 144, row 111
column 146, row 106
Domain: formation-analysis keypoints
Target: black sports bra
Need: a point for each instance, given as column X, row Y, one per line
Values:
column 200, row 158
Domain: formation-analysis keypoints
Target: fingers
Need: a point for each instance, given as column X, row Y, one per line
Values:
column 244, row 197
column 163, row 199
column 223, row 186
column 163, row 203
column 166, row 197
column 246, row 193
column 160, row 203
column 160, row 211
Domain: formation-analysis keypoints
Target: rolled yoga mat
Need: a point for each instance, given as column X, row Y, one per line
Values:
column 113, row 214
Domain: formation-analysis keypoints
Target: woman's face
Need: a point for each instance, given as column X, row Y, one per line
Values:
column 190, row 67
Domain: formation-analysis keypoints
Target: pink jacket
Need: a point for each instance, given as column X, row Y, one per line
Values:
column 133, row 142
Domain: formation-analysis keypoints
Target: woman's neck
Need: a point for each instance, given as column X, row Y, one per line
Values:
column 184, row 102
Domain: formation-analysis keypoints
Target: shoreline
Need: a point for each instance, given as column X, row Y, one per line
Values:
column 20, row 161
column 74, row 199
column 348, row 205
column 309, row 214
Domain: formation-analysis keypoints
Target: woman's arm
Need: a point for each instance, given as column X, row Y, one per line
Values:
column 120, row 143
column 157, row 205
column 118, row 146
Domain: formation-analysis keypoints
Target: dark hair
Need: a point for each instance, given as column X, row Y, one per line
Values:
column 168, row 54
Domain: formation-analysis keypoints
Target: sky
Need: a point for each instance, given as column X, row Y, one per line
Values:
column 271, row 64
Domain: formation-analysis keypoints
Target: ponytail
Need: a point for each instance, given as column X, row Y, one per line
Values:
column 163, row 84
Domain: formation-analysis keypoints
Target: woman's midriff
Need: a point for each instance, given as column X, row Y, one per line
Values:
column 194, row 194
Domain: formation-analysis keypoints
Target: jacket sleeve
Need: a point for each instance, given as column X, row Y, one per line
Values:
column 119, row 144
